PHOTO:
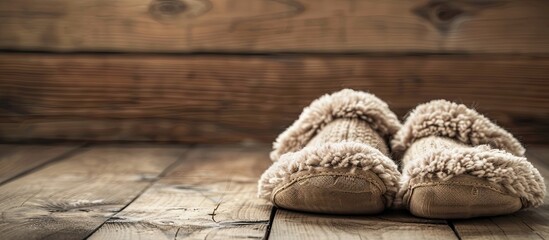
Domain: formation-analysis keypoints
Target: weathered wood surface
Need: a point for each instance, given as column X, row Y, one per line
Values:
column 210, row 195
column 71, row 198
column 19, row 159
column 490, row 26
column 527, row 224
column 390, row 225
column 505, row 227
column 220, row 99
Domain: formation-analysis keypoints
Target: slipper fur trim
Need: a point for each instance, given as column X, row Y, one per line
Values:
column 515, row 173
column 353, row 155
column 456, row 121
column 346, row 103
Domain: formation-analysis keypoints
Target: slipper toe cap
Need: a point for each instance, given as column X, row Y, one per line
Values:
column 461, row 197
column 333, row 192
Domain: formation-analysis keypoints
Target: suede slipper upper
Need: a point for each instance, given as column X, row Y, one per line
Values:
column 456, row 163
column 334, row 158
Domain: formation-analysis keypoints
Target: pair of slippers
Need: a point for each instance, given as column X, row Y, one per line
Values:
column 454, row 162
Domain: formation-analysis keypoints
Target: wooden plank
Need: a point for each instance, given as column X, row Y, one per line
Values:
column 492, row 26
column 210, row 195
column 15, row 160
column 389, row 225
column 537, row 219
column 539, row 156
column 504, row 227
column 71, row 198
column 526, row 224
column 220, row 99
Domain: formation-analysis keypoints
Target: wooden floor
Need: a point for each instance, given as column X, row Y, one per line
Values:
column 205, row 192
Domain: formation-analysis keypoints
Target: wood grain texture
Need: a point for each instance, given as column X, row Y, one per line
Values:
column 490, row 26
column 210, row 195
column 71, row 198
column 504, row 227
column 526, row 224
column 389, row 225
column 18, row 159
column 212, row 99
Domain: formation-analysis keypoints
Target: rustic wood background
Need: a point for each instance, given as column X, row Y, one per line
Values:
column 225, row 71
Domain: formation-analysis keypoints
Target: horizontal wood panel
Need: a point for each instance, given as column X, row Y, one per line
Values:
column 247, row 98
column 488, row 26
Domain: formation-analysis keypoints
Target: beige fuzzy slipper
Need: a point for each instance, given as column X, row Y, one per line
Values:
column 458, row 164
column 334, row 158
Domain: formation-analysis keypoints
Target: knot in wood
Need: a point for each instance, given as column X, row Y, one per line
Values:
column 444, row 12
column 441, row 14
column 161, row 9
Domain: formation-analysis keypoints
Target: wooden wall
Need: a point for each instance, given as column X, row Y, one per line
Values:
column 223, row 71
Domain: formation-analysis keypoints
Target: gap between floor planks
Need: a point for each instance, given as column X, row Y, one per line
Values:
column 18, row 160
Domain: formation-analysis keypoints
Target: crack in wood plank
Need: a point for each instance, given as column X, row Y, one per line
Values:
column 28, row 159
column 213, row 212
column 228, row 186
column 176, row 233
